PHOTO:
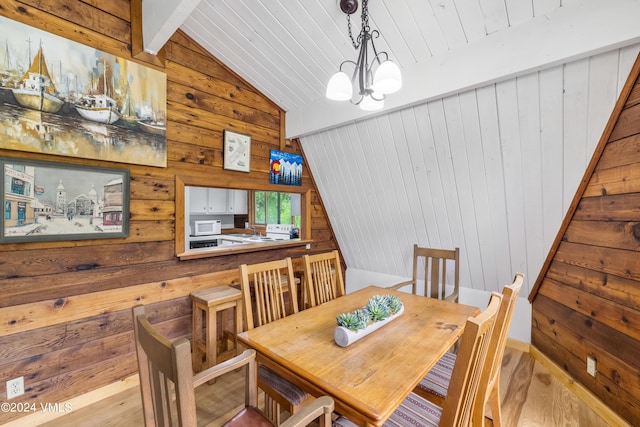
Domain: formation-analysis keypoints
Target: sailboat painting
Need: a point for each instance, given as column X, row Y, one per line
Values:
column 64, row 98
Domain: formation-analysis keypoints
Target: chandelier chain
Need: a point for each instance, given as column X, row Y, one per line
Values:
column 365, row 25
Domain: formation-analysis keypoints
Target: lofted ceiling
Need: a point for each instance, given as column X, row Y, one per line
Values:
column 289, row 49
column 484, row 146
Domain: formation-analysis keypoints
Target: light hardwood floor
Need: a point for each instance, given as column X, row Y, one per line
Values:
column 531, row 396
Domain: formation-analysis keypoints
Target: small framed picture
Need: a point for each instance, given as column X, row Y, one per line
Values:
column 285, row 168
column 237, row 151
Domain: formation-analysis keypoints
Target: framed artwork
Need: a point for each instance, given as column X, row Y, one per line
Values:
column 47, row 201
column 63, row 98
column 237, row 151
column 285, row 168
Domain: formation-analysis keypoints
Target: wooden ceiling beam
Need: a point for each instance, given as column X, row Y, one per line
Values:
column 153, row 22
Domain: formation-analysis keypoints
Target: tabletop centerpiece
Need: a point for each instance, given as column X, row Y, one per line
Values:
column 380, row 310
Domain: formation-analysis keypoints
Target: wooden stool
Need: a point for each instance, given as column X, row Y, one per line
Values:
column 209, row 302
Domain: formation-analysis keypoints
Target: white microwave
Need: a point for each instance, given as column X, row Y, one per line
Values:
column 206, row 228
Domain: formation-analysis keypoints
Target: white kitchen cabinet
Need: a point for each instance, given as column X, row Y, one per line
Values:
column 198, row 199
column 239, row 198
column 218, row 200
column 203, row 200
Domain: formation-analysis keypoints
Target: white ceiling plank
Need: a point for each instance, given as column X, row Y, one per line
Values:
column 472, row 20
column 478, row 186
column 395, row 165
column 576, row 92
column 471, row 258
column 417, row 128
column 404, row 132
column 509, row 126
column 495, row 15
column 574, row 31
column 527, row 92
column 447, row 15
column 541, row 7
column 160, row 19
column 491, row 149
column 362, row 193
column 519, row 11
column 628, row 56
column 603, row 94
column 399, row 27
column 431, row 32
column 239, row 53
column 386, row 224
column 551, row 133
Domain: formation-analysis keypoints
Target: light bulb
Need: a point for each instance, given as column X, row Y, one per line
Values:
column 387, row 78
column 339, row 87
column 370, row 104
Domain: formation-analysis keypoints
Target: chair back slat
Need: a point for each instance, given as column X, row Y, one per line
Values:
column 268, row 283
column 323, row 278
column 435, row 263
column 471, row 361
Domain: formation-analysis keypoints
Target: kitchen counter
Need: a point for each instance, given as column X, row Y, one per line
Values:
column 241, row 246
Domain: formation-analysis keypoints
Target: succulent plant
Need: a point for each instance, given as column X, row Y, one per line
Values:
column 363, row 318
column 377, row 308
column 394, row 303
column 348, row 320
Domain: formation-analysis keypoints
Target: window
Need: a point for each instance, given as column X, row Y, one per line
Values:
column 272, row 207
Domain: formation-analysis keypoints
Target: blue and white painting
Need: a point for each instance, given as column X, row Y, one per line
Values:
column 286, row 168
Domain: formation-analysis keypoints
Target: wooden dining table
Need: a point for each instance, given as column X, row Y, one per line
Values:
column 371, row 377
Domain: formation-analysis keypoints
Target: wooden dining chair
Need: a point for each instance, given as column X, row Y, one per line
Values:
column 268, row 289
column 322, row 278
column 435, row 263
column 435, row 384
column 167, row 383
column 457, row 408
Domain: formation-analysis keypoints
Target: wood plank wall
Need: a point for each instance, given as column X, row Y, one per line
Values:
column 65, row 307
column 587, row 298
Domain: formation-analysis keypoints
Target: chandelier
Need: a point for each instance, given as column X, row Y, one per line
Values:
column 373, row 85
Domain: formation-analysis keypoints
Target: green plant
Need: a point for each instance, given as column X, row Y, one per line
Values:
column 377, row 308
column 349, row 321
column 394, row 303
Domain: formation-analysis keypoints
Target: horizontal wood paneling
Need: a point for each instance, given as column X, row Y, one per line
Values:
column 612, row 234
column 623, row 207
column 620, row 290
column 567, row 338
column 586, row 300
column 609, row 313
column 65, row 319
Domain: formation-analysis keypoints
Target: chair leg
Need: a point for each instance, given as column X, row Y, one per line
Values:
column 494, row 404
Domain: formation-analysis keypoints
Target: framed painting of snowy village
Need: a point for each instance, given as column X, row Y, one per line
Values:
column 47, row 201
column 64, row 98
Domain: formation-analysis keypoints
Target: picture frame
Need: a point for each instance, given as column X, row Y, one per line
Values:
column 91, row 104
column 236, row 151
column 51, row 201
column 285, row 168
